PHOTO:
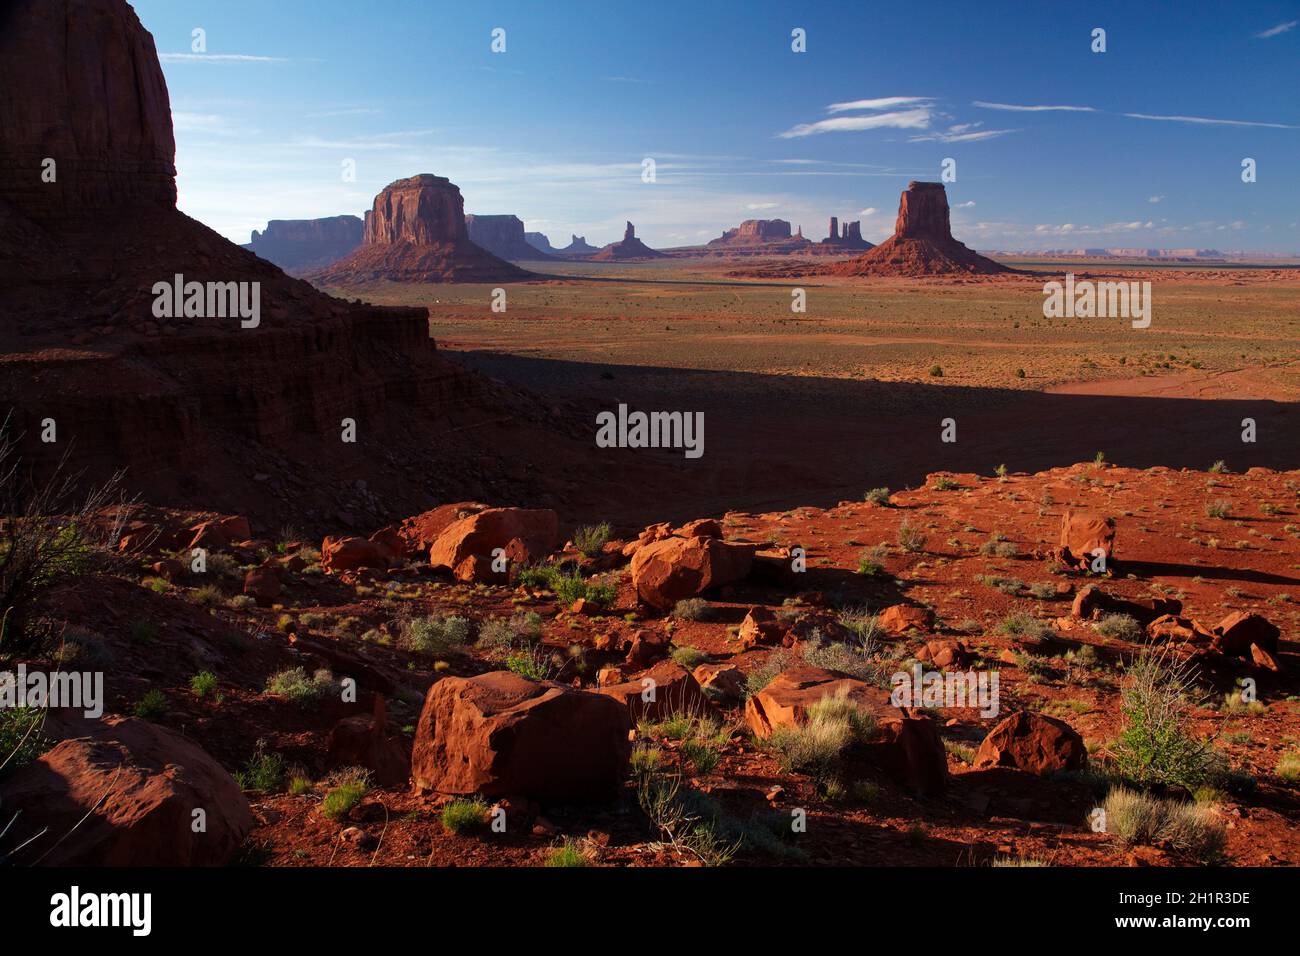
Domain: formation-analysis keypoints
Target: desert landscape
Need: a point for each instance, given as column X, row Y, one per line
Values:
column 421, row 538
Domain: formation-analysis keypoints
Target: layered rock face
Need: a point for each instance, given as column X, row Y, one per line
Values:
column 502, row 236
column 304, row 244
column 629, row 247
column 416, row 232
column 83, row 89
column 922, row 243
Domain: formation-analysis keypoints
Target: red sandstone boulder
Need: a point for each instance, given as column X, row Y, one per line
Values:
column 647, row 647
column 125, row 793
column 1092, row 603
column 366, row 740
column 500, row 734
column 945, row 653
column 350, row 553
column 263, row 584
column 906, row 745
column 220, row 532
column 674, row 569
column 724, row 681
column 760, row 627
column 1083, row 533
column 422, row 530
column 700, row 528
column 655, row 532
column 1032, row 742
column 465, row 547
column 1240, row 630
column 901, row 618
column 659, row 693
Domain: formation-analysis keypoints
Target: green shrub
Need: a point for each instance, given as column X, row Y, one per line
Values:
column 264, row 771
column 692, row 609
column 1288, row 766
column 689, row 657
column 464, row 816
column 1218, row 509
column 500, row 634
column 348, row 789
column 1157, row 744
column 1026, row 626
column 530, row 662
column 1120, row 627
column 21, row 740
column 435, row 636
column 1192, row 828
column 151, row 706
column 816, row 746
column 295, row 685
column 910, row 538
column 203, row 683
column 568, row 854
column 877, row 496
column 591, row 539
column 209, row 595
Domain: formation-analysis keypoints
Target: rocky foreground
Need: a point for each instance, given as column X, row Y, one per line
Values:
column 465, row 687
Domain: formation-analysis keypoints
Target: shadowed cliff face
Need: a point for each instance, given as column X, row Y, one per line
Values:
column 82, row 87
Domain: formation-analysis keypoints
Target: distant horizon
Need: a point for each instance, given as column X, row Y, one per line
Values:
column 1055, row 146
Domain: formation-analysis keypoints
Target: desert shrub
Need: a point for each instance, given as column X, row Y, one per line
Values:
column 646, row 760
column 765, row 673
column 300, row 785
column 692, row 609
column 1157, row 744
column 464, row 816
column 911, row 538
column 944, row 483
column 530, row 662
column 38, row 550
column 1026, row 626
column 856, row 661
column 701, row 756
column 1219, row 467
column 1043, row 590
column 869, row 564
column 1218, row 509
column 21, row 740
column 84, row 647
column 1288, row 766
column 998, row 546
column 1001, row 861
column 524, row 627
column 264, row 771
column 936, row 371
column 203, row 683
column 817, row 746
column 1120, row 627
column 295, row 685
column 590, row 539
column 347, row 789
column 877, row 496
column 209, row 595
column 1192, row 828
column 151, row 706
column 567, row 854
column 241, row 602
column 689, row 657
column 435, row 636
column 686, row 819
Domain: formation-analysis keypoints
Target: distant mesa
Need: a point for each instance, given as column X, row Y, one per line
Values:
column 541, row 243
column 416, row 232
column 846, row 235
column 301, row 245
column 629, row 247
column 922, row 243
column 502, row 236
column 579, row 247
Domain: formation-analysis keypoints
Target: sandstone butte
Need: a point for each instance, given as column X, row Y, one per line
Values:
column 416, row 232
column 629, row 247
column 922, row 243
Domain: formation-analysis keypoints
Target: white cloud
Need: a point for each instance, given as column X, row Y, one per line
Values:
column 760, row 205
column 881, row 103
column 218, row 58
column 1275, row 31
column 869, row 211
column 902, row 119
column 1155, row 199
column 1207, row 122
column 955, row 137
column 964, row 205
column 1033, row 109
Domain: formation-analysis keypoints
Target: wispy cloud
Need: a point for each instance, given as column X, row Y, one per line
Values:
column 219, row 58
column 901, row 119
column 1206, row 121
column 1277, row 30
column 1156, row 199
column 880, row 103
column 964, row 205
column 960, row 134
column 1033, row 109
column 761, row 205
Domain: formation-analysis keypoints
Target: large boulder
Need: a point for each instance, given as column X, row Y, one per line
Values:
column 351, row 553
column 1082, row 534
column 1034, row 743
column 906, row 744
column 125, row 792
column 367, row 740
column 220, row 532
column 659, row 693
column 500, row 734
column 465, row 547
column 422, row 530
column 674, row 569
column 1091, row 603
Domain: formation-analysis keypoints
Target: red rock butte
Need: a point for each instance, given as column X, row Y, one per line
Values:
column 922, row 243
column 416, row 232
column 629, row 247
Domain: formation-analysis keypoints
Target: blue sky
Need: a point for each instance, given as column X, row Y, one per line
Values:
column 555, row 128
